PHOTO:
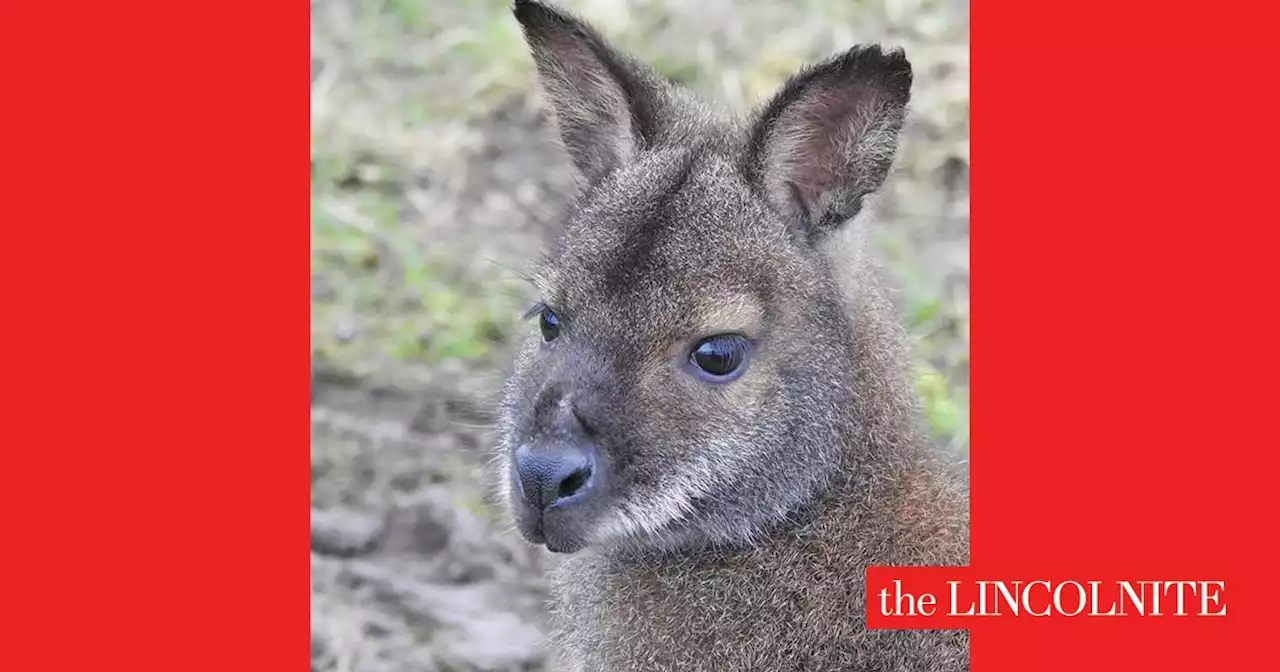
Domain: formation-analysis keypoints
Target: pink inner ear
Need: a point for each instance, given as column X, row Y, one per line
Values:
column 591, row 106
column 815, row 141
column 569, row 54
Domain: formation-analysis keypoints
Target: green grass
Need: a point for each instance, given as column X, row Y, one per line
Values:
column 388, row 297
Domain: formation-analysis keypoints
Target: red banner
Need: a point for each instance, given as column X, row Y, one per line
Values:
column 956, row 597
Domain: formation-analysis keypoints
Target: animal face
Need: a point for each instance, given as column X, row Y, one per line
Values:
column 689, row 371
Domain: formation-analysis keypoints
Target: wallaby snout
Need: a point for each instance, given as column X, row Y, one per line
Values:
column 557, row 476
column 554, row 478
column 557, row 485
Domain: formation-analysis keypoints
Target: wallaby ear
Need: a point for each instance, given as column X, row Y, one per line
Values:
column 603, row 99
column 829, row 137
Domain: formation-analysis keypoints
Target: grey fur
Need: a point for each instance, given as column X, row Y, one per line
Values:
column 734, row 521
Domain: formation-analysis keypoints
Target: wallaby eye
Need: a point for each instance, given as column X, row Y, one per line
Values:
column 549, row 324
column 720, row 358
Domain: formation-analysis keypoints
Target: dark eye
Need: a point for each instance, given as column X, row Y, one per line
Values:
column 549, row 323
column 721, row 357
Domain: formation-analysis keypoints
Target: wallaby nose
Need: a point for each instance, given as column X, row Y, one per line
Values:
column 552, row 476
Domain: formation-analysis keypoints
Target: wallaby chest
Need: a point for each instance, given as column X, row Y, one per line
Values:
column 794, row 603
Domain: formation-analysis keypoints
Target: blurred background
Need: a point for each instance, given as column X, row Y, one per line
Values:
column 434, row 180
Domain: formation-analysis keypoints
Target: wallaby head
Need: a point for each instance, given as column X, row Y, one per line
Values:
column 690, row 378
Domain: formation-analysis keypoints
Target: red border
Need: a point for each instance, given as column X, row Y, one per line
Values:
column 153, row 282
column 154, row 274
column 1122, row 243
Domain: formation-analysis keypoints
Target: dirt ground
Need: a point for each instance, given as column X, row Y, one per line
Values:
column 434, row 180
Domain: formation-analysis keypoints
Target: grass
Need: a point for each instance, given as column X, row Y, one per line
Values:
column 381, row 294
column 405, row 225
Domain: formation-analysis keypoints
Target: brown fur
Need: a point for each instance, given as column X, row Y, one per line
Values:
column 729, row 524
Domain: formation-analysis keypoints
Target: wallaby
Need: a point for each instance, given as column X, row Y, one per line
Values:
column 713, row 420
